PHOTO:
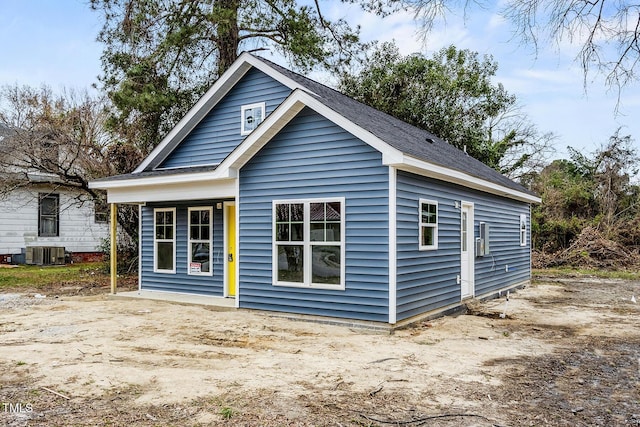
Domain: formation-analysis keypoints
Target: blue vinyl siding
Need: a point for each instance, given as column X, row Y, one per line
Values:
column 219, row 132
column 503, row 216
column 427, row 280
column 313, row 158
column 181, row 281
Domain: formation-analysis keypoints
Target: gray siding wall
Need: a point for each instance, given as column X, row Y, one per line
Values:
column 219, row 132
column 427, row 279
column 181, row 281
column 313, row 158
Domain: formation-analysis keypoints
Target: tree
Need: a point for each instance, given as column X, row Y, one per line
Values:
column 607, row 32
column 610, row 168
column 60, row 139
column 590, row 189
column 453, row 96
column 161, row 55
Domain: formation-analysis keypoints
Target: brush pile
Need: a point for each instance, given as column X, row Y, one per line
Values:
column 591, row 249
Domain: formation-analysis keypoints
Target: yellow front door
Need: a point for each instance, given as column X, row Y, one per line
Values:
column 231, row 250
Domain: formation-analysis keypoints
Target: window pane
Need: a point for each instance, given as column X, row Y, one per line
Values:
column 49, row 206
column 194, row 217
column 282, row 212
column 168, row 217
column 317, row 232
column 317, row 211
column 282, row 232
column 205, row 232
column 325, row 264
column 297, row 234
column 290, row 263
column 333, row 232
column 297, row 212
column 427, row 236
column 168, row 232
column 48, row 226
column 165, row 255
column 200, row 253
column 333, row 211
column 204, row 217
column 428, row 213
column 195, row 232
column 159, row 218
column 160, row 232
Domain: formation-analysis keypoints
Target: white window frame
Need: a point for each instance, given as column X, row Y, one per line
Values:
column 421, row 226
column 307, row 244
column 523, row 230
column 156, row 241
column 209, row 240
column 261, row 106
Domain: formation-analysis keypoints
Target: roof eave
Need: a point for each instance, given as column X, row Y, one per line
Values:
column 421, row 167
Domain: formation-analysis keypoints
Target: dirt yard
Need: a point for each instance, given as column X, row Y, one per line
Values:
column 567, row 353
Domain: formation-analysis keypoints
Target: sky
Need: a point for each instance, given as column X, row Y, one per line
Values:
column 53, row 42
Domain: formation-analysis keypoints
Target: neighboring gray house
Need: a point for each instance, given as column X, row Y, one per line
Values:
column 288, row 196
column 40, row 221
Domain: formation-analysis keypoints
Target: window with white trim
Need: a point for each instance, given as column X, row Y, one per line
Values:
column 523, row 230
column 428, row 217
column 164, row 240
column 308, row 244
column 251, row 116
column 200, row 241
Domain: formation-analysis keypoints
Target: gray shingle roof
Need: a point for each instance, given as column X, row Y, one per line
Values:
column 161, row 172
column 407, row 138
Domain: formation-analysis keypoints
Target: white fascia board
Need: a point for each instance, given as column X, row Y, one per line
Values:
column 287, row 111
column 211, row 98
column 173, row 192
column 420, row 167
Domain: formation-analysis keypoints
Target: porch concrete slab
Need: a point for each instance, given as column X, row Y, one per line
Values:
column 218, row 303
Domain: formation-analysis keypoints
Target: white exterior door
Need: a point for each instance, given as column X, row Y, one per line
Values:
column 467, row 288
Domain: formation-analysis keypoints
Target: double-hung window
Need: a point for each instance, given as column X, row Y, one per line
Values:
column 49, row 215
column 164, row 240
column 200, row 241
column 428, row 217
column 308, row 247
column 523, row 230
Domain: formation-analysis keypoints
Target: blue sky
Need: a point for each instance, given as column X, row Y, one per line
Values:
column 53, row 42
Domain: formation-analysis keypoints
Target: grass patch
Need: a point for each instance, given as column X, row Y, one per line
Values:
column 585, row 272
column 33, row 276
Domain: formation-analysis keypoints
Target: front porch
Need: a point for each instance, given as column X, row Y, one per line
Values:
column 214, row 303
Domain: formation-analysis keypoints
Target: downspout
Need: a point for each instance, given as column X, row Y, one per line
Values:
column 114, row 248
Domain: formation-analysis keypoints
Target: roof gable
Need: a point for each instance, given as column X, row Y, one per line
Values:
column 219, row 131
column 206, row 103
column 402, row 145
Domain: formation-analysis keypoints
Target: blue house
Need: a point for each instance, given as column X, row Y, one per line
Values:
column 289, row 196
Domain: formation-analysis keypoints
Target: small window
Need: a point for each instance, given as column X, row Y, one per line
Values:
column 428, row 213
column 200, row 241
column 101, row 211
column 308, row 247
column 252, row 115
column 164, row 254
column 523, row 230
column 49, row 215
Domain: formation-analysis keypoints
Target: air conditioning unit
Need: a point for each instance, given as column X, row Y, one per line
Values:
column 45, row 255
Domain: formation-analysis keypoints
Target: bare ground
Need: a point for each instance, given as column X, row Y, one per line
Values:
column 567, row 353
